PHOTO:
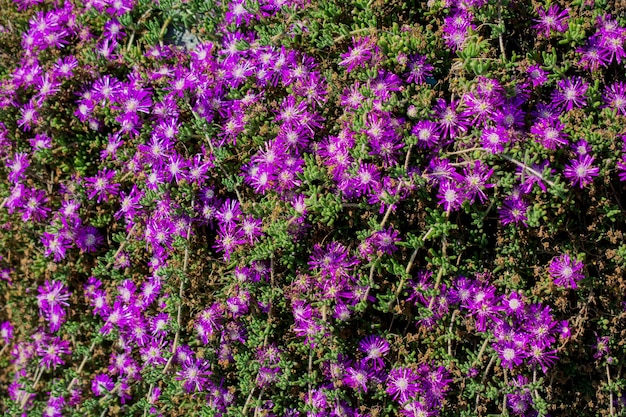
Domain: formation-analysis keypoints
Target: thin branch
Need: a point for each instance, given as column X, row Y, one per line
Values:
column 500, row 40
column 81, row 366
column 180, row 296
column 529, row 169
column 130, row 232
column 354, row 32
column 608, row 377
column 406, row 271
column 454, row 313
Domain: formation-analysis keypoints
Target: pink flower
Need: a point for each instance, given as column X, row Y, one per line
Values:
column 358, row 55
column 581, row 171
column 566, row 272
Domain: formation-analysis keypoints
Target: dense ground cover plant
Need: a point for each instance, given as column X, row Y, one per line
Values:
column 312, row 208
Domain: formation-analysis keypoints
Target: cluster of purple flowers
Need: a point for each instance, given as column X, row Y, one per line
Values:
column 270, row 101
column 605, row 46
column 524, row 333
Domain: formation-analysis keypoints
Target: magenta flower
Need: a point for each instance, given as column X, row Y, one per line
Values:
column 33, row 205
column 101, row 384
column 64, row 66
column 419, row 69
column 427, row 134
column 601, row 347
column 402, row 384
column 375, row 347
column 6, row 331
column 513, row 211
column 581, row 171
column 357, row 377
column 510, row 354
column 552, row 19
column 102, row 185
column 358, row 55
column 451, row 195
column 55, row 244
column 52, row 294
column 537, row 75
column 615, row 97
column 593, row 56
column 570, row 93
column 494, row 138
column 194, row 375
column 17, row 166
column 51, row 352
column 475, row 179
column 29, row 116
column 88, row 239
column 538, row 354
column 549, row 133
column 566, row 272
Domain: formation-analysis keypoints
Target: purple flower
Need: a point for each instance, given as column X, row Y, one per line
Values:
column 451, row 122
column 33, row 205
column 615, row 97
column 357, row 377
column 50, row 352
column 566, row 272
column 29, row 116
column 375, row 347
column 41, row 141
column 612, row 38
column 52, row 294
column 581, row 171
column 455, row 29
column 537, row 75
column 54, row 407
column 552, row 19
column 130, row 203
column 17, row 166
column 55, row 244
column 359, row 54
column 581, row 147
column 539, row 354
column 451, row 195
column 549, row 133
column 419, row 69
column 228, row 239
column 514, row 211
column 102, row 185
column 510, row 354
column 475, row 179
column 88, row 238
column 570, row 93
column 6, row 331
column 402, row 384
column 601, row 347
column 64, row 66
column 494, row 138
column 593, row 56
column 427, row 134
column 101, row 385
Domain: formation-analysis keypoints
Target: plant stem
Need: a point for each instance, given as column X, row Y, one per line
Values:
column 354, row 32
column 529, row 169
column 181, row 287
column 454, row 313
column 608, row 377
column 130, row 232
column 245, row 406
column 406, row 271
column 81, row 366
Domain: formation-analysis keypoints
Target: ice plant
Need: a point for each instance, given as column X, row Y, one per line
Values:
column 566, row 272
column 580, row 171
